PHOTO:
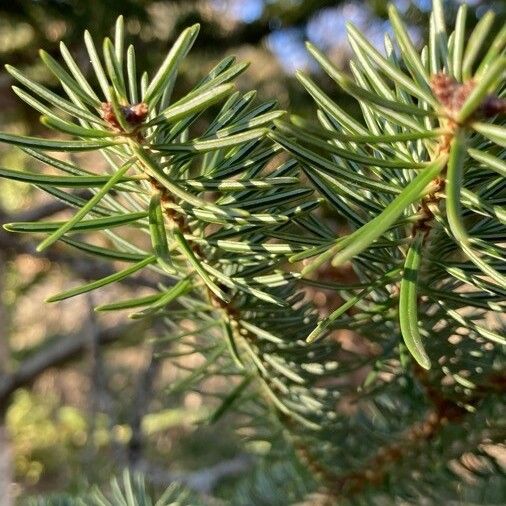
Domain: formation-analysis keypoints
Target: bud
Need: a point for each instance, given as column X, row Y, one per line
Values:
column 133, row 114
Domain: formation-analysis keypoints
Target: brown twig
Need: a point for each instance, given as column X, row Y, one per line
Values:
column 140, row 404
column 61, row 351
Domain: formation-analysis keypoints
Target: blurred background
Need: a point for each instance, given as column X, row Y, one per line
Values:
column 80, row 395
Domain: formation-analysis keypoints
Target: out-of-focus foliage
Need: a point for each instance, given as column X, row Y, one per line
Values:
column 130, row 490
column 44, row 435
column 269, row 34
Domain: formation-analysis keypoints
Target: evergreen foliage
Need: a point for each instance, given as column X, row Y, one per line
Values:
column 412, row 195
column 131, row 490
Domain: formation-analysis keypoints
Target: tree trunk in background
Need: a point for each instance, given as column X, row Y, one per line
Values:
column 6, row 476
column 140, row 407
column 6, row 498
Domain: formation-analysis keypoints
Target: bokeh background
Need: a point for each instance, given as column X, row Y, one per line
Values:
column 81, row 396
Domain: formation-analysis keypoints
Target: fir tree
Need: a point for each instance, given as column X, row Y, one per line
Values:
column 412, row 193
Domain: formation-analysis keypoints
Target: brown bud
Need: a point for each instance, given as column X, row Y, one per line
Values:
column 133, row 114
column 460, row 94
column 452, row 95
column 107, row 113
column 443, row 86
column 493, row 106
column 136, row 114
